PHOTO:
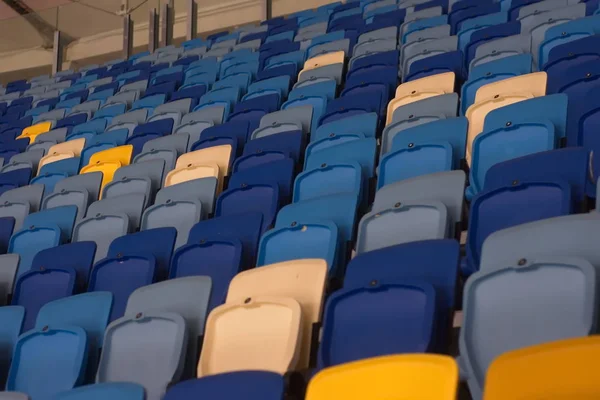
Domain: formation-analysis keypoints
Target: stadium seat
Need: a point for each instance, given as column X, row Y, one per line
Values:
column 521, row 367
column 254, row 350
column 126, row 359
column 63, row 348
column 187, row 297
column 396, row 375
column 307, row 287
column 547, row 319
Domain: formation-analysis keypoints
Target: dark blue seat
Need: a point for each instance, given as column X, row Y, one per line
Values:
column 252, row 385
column 72, row 120
column 159, row 242
column 347, row 106
column 121, row 276
column 487, row 34
column 14, row 179
column 251, row 116
column 162, row 127
column 456, row 17
column 376, row 319
column 290, row 70
column 37, row 287
column 185, row 61
column 431, row 261
column 508, row 206
column 246, row 228
column 568, row 165
column 250, row 198
column 451, row 61
column 290, row 143
column 267, row 103
column 78, row 256
column 194, row 92
column 165, row 88
column 280, row 172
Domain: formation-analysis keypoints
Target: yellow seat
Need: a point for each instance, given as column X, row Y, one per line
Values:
column 336, row 57
column 302, row 280
column 63, row 150
column 33, row 131
column 534, row 84
column 420, row 89
column 219, row 155
column 397, row 377
column 477, row 112
column 108, row 170
column 121, row 154
column 258, row 333
column 562, row 370
column 191, row 172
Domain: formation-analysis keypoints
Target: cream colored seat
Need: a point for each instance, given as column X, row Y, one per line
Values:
column 256, row 333
column 211, row 161
column 420, row 89
column 303, row 280
column 534, row 84
column 336, row 57
column 61, row 151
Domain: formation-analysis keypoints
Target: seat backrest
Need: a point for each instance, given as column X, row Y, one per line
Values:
column 78, row 256
column 102, row 230
column 187, row 297
column 143, row 178
column 484, row 334
column 532, row 370
column 262, row 198
column 166, row 337
column 121, row 276
column 402, row 223
column 12, row 323
column 328, row 179
column 179, row 214
column 276, row 352
column 407, row 309
column 131, row 205
column 302, row 280
column 63, row 348
column 406, row 375
column 89, row 182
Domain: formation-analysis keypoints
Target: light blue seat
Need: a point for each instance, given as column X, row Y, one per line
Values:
column 165, row 340
column 308, row 240
column 363, row 124
column 418, row 113
column 328, row 179
column 560, row 304
column 63, row 348
column 445, row 187
column 187, row 297
column 31, row 240
column 402, row 223
column 63, row 217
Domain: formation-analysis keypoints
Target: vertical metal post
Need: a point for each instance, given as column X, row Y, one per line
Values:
column 192, row 22
column 166, row 24
column 267, row 9
column 127, row 36
column 152, row 31
column 57, row 55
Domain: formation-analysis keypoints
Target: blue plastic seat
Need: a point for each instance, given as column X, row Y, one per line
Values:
column 508, row 206
column 340, row 149
column 263, row 198
column 77, row 256
column 437, row 262
column 404, row 314
column 244, row 228
column 158, row 242
column 121, row 276
column 350, row 105
column 64, row 348
column 329, row 179
column 31, row 240
column 63, row 217
column 570, row 165
column 315, row 239
column 279, row 172
column 89, row 311
column 35, row 288
column 251, row 384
